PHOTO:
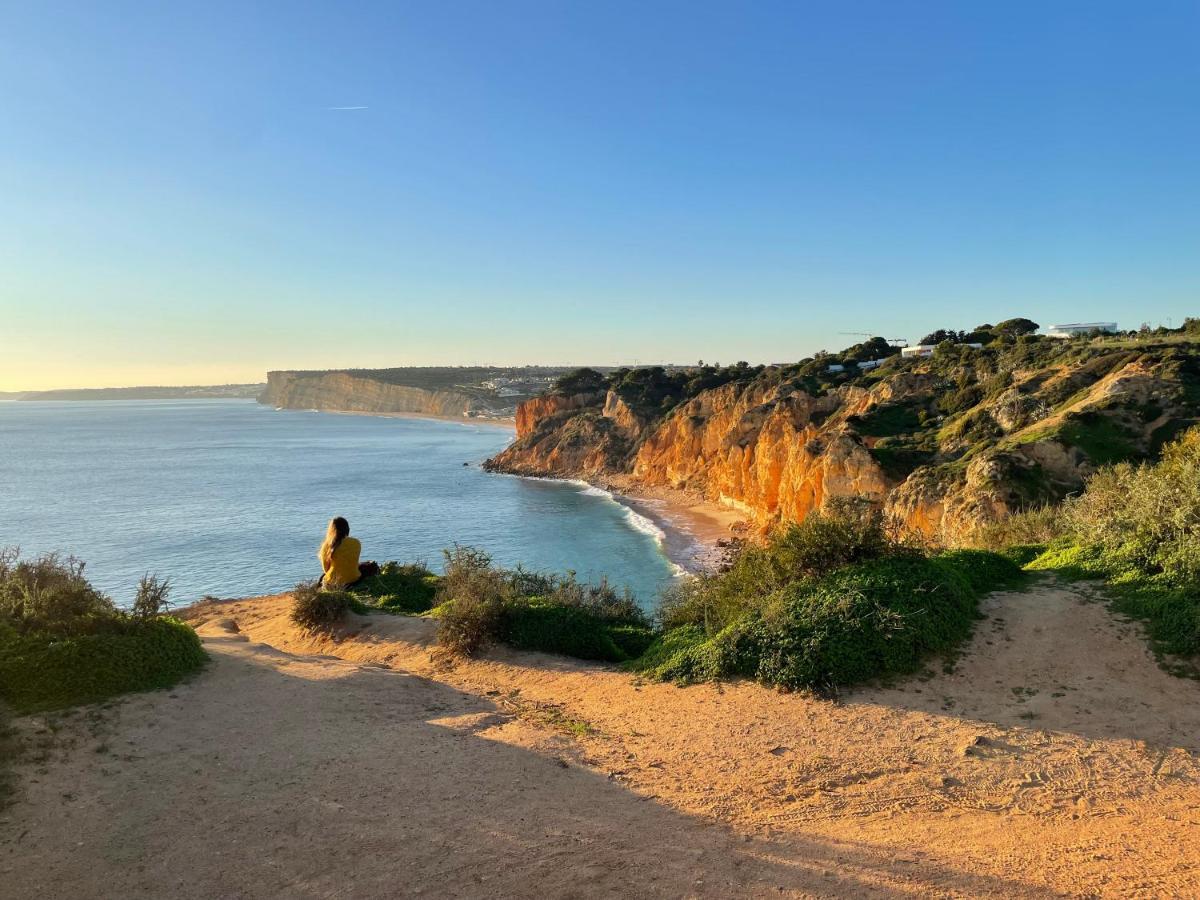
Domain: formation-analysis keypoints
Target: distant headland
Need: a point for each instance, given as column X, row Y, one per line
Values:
column 187, row 392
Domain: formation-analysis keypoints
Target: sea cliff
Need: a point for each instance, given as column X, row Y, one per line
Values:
column 491, row 392
column 943, row 445
column 346, row 392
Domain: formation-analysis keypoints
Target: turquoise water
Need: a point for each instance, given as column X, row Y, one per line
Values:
column 230, row 498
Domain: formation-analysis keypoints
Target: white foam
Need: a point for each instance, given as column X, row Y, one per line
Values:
column 635, row 519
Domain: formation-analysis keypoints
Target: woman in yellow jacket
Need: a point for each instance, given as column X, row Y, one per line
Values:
column 339, row 557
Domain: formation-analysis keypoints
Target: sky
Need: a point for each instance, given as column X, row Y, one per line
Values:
column 196, row 193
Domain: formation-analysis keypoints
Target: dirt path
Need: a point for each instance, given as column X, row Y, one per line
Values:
column 1057, row 759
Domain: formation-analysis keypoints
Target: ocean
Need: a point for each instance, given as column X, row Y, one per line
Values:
column 230, row 498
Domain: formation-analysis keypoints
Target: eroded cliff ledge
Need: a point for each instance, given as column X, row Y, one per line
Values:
column 344, row 392
column 943, row 444
column 454, row 391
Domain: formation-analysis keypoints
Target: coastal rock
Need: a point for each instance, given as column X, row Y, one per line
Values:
column 345, row 392
column 941, row 447
column 537, row 410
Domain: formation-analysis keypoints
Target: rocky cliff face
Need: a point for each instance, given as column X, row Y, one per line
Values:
column 345, row 392
column 943, row 445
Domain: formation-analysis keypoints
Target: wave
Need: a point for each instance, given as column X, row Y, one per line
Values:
column 636, row 520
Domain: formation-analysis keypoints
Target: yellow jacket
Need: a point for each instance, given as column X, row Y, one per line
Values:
column 344, row 568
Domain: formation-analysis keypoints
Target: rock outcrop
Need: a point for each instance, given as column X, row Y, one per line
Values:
column 942, row 449
column 345, row 392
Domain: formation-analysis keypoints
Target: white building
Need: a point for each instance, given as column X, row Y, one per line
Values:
column 1074, row 328
column 923, row 350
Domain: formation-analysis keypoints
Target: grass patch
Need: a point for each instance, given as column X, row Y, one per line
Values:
column 408, row 589
column 889, row 420
column 1102, row 438
column 546, row 715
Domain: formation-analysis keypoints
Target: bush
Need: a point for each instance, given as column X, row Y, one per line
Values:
column 1146, row 516
column 1039, row 525
column 62, row 642
column 314, row 609
column 407, row 589
column 845, row 533
column 41, row 671
column 871, row 618
column 50, row 594
column 482, row 604
column 151, row 599
column 833, row 600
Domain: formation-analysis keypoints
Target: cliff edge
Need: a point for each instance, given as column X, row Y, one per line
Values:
column 944, row 444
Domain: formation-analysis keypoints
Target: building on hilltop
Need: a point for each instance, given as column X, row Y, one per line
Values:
column 923, row 350
column 1074, row 328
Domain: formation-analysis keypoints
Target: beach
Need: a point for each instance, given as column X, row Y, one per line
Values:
column 697, row 534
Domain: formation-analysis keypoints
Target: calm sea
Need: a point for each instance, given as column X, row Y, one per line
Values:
column 230, row 498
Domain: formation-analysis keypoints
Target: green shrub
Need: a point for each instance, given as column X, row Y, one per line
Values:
column 984, row 571
column 1031, row 527
column 50, row 594
column 1102, row 438
column 867, row 619
column 1070, row 560
column 407, row 589
column 1146, row 516
column 661, row 655
column 41, row 671
column 541, row 624
column 314, row 609
column 62, row 642
column 482, row 604
column 845, row 533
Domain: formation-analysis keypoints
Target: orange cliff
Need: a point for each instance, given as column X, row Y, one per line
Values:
column 773, row 453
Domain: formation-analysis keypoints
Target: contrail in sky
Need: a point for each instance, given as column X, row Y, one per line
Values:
column 347, row 107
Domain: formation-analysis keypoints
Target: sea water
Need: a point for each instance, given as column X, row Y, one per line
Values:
column 230, row 498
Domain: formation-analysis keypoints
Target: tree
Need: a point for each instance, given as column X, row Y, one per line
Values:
column 1017, row 327
column 943, row 334
column 581, row 381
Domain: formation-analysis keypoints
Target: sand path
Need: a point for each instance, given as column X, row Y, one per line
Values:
column 1057, row 759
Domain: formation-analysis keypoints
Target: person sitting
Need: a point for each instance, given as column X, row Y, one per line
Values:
column 339, row 557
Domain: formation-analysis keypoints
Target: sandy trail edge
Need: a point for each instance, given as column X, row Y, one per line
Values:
column 1057, row 760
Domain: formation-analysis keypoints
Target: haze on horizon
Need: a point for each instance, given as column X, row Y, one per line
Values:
column 197, row 196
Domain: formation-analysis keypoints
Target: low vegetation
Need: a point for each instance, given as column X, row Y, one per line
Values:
column 316, row 609
column 408, row 588
column 1137, row 526
column 481, row 604
column 834, row 600
column 63, row 643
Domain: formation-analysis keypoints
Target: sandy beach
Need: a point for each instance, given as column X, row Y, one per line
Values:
column 697, row 532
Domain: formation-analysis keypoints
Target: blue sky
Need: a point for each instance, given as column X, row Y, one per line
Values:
column 569, row 182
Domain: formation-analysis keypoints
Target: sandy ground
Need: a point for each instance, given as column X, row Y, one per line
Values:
column 697, row 530
column 1057, row 759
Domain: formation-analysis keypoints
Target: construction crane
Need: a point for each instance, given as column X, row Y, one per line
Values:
column 897, row 342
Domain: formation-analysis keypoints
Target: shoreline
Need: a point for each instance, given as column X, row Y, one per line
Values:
column 506, row 422
column 697, row 534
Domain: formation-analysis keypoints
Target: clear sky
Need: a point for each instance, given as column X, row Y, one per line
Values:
column 181, row 200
